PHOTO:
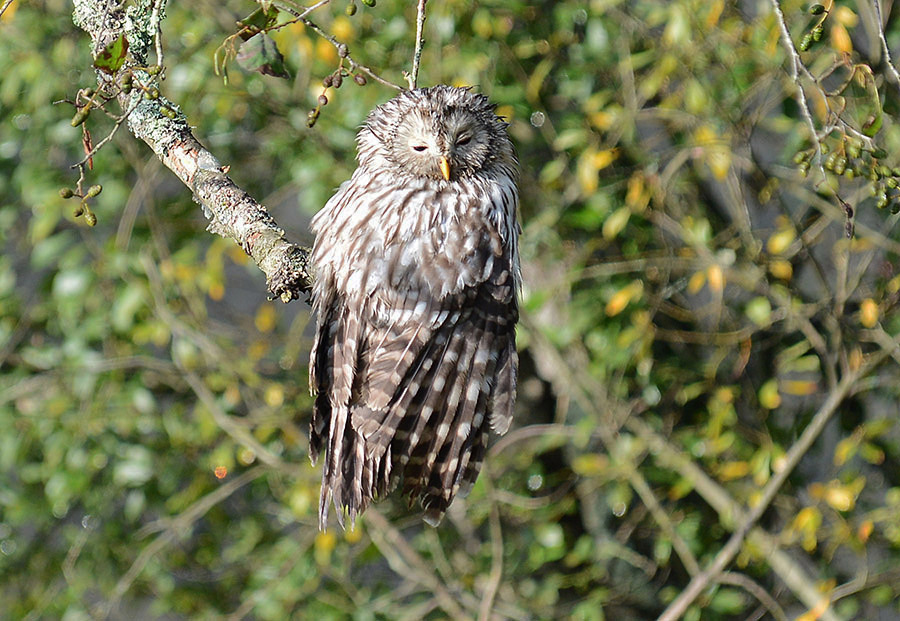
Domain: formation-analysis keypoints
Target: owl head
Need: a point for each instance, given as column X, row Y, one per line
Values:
column 441, row 133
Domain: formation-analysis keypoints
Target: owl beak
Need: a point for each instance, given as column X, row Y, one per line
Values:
column 445, row 168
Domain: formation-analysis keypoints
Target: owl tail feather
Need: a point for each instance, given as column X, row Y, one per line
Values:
column 353, row 476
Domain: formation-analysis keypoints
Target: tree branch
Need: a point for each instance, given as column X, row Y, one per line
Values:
column 231, row 211
column 413, row 78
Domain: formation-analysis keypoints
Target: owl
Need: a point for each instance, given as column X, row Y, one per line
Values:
column 416, row 279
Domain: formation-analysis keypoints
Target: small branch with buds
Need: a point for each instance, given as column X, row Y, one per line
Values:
column 231, row 211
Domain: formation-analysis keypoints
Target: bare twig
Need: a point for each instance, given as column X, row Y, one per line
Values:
column 5, row 6
column 407, row 562
column 490, row 591
column 563, row 374
column 231, row 211
column 176, row 527
column 699, row 582
column 748, row 584
column 795, row 68
column 155, row 22
column 884, row 46
column 344, row 53
column 413, row 78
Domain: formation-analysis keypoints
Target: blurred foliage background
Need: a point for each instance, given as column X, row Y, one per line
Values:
column 693, row 304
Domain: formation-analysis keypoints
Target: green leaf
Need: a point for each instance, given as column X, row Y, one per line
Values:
column 260, row 53
column 259, row 20
column 111, row 58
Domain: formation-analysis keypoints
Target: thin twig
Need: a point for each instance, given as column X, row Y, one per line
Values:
column 490, row 591
column 344, row 53
column 157, row 27
column 884, row 46
column 405, row 561
column 5, row 6
column 413, row 78
column 177, row 526
column 699, row 582
column 119, row 120
column 748, row 584
column 796, row 64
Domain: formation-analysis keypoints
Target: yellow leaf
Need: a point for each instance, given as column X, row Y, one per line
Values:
column 780, row 241
column 604, row 158
column 232, row 395
column 237, row 255
column 868, row 313
column 637, row 197
column 216, row 291
column 865, row 530
column 813, row 614
column 265, row 318
column 246, row 456
column 840, row 39
column 733, row 470
column 698, row 279
column 354, row 533
column 602, row 120
column 808, row 519
column 839, row 497
column 616, row 221
column 845, row 449
column 768, row 395
column 718, row 158
column 326, row 52
column 274, row 395
column 845, row 15
column 586, row 172
column 705, row 135
column 800, row 388
column 342, row 29
column 623, row 296
column 855, row 359
column 257, row 349
column 781, row 269
column 590, row 464
column 893, row 285
column 506, row 112
column 324, row 545
column 715, row 12
column 716, row 278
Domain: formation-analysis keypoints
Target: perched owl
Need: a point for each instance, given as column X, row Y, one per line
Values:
column 417, row 272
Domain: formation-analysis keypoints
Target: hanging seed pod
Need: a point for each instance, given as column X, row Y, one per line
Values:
column 351, row 9
column 840, row 165
column 81, row 116
column 360, row 79
column 66, row 193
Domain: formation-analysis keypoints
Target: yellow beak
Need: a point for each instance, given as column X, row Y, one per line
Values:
column 445, row 168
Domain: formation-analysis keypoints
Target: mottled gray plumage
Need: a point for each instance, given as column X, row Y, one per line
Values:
column 417, row 272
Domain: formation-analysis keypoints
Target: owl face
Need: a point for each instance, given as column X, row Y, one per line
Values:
column 441, row 133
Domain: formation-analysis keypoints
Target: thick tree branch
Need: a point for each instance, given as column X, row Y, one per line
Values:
column 231, row 211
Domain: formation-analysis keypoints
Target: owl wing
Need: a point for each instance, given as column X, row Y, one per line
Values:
column 414, row 385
